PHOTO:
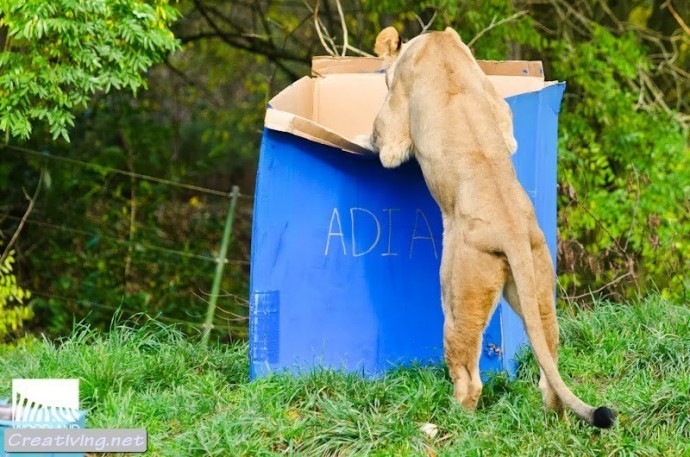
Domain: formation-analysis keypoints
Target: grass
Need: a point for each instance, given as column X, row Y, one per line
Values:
column 196, row 401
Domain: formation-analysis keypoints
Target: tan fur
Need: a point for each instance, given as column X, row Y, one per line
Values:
column 443, row 110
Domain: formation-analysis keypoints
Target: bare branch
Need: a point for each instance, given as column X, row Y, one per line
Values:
column 611, row 16
column 620, row 248
column 250, row 42
column 343, row 25
column 32, row 201
column 359, row 51
column 426, row 26
column 676, row 16
column 3, row 34
column 213, row 99
column 495, row 24
column 317, row 26
column 321, row 28
column 596, row 291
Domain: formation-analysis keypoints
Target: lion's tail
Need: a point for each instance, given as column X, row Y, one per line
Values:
column 522, row 265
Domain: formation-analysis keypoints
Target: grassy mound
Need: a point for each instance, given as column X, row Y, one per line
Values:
column 197, row 401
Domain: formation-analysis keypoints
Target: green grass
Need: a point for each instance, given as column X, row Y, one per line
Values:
column 197, row 401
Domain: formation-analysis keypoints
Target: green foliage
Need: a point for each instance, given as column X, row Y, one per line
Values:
column 225, row 122
column 496, row 24
column 82, row 242
column 198, row 401
column 57, row 54
column 624, row 169
column 13, row 309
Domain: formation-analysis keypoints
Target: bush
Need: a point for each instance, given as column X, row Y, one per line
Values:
column 13, row 311
column 624, row 170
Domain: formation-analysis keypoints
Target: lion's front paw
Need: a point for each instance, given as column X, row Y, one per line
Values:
column 393, row 157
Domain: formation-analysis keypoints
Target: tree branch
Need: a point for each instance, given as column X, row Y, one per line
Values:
column 317, row 26
column 182, row 75
column 676, row 16
column 495, row 24
column 3, row 35
column 32, row 200
column 252, row 43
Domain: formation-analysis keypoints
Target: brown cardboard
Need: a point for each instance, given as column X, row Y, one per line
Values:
column 326, row 65
column 345, row 97
column 295, row 110
column 349, row 103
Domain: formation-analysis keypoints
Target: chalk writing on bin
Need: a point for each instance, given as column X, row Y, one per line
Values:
column 386, row 224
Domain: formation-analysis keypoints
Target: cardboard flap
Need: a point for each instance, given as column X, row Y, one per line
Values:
column 343, row 102
column 508, row 86
column 297, row 98
column 283, row 121
column 327, row 65
column 349, row 103
column 524, row 68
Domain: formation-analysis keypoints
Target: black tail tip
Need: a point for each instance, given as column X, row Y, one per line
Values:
column 603, row 417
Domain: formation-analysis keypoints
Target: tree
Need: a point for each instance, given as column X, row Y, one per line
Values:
column 54, row 56
column 57, row 54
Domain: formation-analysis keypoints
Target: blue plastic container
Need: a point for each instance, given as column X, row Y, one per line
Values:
column 7, row 425
column 345, row 254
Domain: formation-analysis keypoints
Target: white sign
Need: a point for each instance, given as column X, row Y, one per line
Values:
column 45, row 401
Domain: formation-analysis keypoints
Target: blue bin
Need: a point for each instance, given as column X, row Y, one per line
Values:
column 7, row 425
column 345, row 253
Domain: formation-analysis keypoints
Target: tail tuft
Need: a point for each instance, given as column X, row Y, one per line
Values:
column 603, row 417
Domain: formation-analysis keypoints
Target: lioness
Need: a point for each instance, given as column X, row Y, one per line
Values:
column 442, row 109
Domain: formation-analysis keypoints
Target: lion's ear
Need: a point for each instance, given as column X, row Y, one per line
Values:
column 387, row 43
column 453, row 32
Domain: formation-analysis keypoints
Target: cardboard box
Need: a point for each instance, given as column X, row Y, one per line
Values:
column 345, row 254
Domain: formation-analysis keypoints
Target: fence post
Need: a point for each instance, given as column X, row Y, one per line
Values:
column 221, row 260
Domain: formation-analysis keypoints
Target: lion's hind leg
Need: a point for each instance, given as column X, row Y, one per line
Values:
column 475, row 283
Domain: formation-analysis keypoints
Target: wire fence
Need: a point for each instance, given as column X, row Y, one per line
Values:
column 131, row 174
column 219, row 258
